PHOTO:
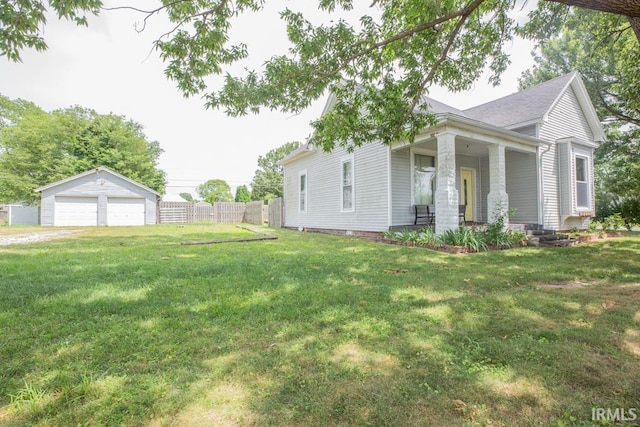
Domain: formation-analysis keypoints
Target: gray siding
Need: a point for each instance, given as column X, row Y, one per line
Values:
column 522, row 186
column 565, row 120
column 371, row 163
column 401, row 203
column 93, row 186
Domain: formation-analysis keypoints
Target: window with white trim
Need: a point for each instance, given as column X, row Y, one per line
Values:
column 347, row 181
column 582, row 183
column 424, row 179
column 302, row 192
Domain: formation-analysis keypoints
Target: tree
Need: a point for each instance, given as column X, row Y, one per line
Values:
column 188, row 197
column 608, row 61
column 242, row 194
column 378, row 67
column 268, row 180
column 215, row 190
column 37, row 148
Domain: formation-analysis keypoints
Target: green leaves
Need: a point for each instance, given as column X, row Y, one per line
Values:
column 37, row 148
column 605, row 50
column 379, row 67
column 22, row 21
column 215, row 190
column 268, row 180
column 379, row 64
column 243, row 195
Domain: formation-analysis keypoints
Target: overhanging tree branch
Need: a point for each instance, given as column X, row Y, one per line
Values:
column 434, row 68
column 619, row 7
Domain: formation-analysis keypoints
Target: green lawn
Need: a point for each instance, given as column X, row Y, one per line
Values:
column 125, row 326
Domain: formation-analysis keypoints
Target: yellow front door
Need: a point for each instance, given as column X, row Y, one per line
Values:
column 467, row 193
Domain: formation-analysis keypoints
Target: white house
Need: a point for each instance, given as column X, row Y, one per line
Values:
column 531, row 151
column 97, row 197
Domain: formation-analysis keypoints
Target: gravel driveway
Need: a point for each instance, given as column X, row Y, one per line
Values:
column 20, row 239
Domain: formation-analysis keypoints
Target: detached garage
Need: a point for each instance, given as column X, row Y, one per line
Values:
column 97, row 197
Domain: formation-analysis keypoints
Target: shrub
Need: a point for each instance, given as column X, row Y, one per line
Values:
column 427, row 237
column 594, row 227
column 466, row 237
column 613, row 222
column 408, row 236
column 390, row 234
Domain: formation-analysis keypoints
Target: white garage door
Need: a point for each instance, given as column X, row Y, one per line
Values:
column 122, row 211
column 75, row 211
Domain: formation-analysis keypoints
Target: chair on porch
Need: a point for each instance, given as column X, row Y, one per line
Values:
column 428, row 212
column 462, row 209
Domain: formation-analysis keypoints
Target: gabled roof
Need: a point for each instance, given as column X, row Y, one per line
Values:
column 534, row 104
column 437, row 107
column 92, row 171
column 528, row 105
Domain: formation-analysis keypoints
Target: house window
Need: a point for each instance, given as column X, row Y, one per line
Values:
column 424, row 179
column 302, row 192
column 582, row 183
column 347, row 185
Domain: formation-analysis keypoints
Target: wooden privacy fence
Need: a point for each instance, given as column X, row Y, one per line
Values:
column 221, row 212
column 253, row 213
column 276, row 213
column 184, row 212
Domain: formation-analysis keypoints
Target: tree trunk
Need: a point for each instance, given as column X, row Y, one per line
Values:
column 635, row 24
column 628, row 8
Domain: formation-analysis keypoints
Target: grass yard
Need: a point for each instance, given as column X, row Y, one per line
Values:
column 125, row 326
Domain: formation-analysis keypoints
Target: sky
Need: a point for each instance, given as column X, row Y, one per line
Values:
column 111, row 68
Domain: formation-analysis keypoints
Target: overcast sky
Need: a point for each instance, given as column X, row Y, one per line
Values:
column 110, row 68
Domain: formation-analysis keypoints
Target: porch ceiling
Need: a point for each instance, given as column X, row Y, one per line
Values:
column 464, row 146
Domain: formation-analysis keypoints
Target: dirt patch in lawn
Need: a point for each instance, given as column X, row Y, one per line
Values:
column 572, row 284
column 21, row 239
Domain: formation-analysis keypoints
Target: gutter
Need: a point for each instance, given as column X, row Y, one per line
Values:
column 491, row 130
column 300, row 153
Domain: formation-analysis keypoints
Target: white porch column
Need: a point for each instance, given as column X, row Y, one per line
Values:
column 446, row 194
column 497, row 199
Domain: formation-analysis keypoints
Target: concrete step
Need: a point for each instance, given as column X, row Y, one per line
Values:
column 560, row 243
column 552, row 237
column 540, row 232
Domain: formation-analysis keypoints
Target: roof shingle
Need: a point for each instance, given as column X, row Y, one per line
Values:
column 521, row 107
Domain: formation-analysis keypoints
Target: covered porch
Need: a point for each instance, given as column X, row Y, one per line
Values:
column 465, row 162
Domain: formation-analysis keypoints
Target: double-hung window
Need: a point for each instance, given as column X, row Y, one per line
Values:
column 302, row 192
column 424, row 179
column 347, row 185
column 582, row 183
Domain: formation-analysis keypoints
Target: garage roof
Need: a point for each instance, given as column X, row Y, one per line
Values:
column 92, row 171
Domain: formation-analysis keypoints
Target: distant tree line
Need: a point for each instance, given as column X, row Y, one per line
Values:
column 39, row 147
column 267, row 183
